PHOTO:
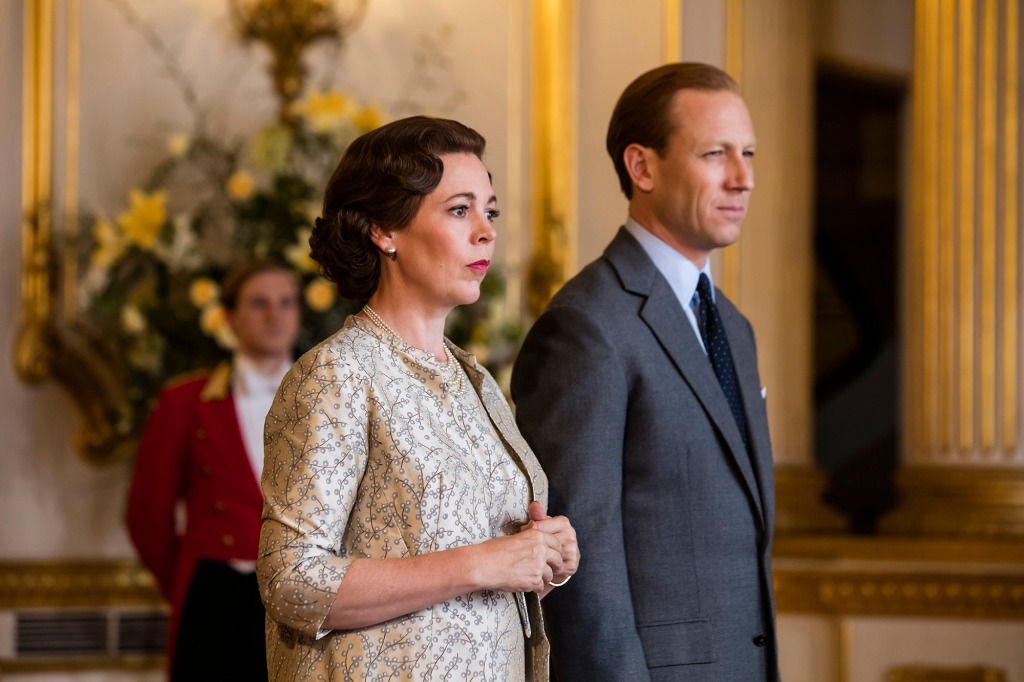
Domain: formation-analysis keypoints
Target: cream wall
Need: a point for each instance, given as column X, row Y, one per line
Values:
column 617, row 42
column 53, row 505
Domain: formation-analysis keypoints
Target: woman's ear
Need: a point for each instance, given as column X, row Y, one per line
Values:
column 636, row 159
column 384, row 239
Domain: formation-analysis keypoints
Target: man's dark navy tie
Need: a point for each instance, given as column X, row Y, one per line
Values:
column 717, row 346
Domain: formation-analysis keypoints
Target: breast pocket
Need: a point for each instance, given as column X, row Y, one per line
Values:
column 685, row 642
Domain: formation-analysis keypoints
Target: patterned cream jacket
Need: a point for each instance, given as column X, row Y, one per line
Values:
column 368, row 454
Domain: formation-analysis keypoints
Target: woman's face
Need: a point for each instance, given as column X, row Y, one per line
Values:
column 443, row 254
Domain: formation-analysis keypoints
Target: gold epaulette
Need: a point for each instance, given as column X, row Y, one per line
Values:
column 218, row 386
column 186, row 377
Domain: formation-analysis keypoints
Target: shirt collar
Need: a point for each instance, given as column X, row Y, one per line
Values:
column 249, row 380
column 681, row 273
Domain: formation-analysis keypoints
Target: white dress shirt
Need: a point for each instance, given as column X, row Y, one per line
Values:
column 253, row 393
column 681, row 273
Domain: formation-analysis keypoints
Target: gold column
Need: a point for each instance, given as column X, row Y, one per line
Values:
column 963, row 461
column 554, row 151
column 30, row 359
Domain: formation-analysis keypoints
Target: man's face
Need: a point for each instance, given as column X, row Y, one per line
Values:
column 697, row 194
column 266, row 316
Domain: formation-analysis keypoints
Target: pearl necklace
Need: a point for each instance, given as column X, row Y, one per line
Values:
column 451, row 373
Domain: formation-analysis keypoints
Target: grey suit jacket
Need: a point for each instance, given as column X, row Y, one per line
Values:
column 674, row 516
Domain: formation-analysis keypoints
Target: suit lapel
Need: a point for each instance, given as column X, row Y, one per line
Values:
column 668, row 322
column 745, row 358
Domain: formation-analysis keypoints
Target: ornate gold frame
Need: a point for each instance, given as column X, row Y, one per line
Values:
column 51, row 343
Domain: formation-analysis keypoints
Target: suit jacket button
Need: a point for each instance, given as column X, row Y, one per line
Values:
column 200, row 434
column 228, row 540
column 760, row 640
column 218, row 505
column 207, row 470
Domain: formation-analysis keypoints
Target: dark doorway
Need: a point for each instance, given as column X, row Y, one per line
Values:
column 859, row 127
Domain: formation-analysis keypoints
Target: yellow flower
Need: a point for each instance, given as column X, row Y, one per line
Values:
column 299, row 255
column 367, row 119
column 213, row 319
column 225, row 338
column 132, row 320
column 178, row 145
column 146, row 353
column 320, row 295
column 324, row 111
column 144, row 220
column 110, row 244
column 214, row 322
column 203, row 291
column 241, row 185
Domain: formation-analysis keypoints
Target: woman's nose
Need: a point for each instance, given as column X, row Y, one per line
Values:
column 485, row 231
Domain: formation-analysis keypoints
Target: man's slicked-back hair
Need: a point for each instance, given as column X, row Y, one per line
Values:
column 643, row 114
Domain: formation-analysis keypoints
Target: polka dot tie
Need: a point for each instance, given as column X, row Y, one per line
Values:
column 717, row 346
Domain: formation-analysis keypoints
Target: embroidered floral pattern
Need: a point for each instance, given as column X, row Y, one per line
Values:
column 368, row 456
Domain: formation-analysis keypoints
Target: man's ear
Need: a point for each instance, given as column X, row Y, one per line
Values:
column 637, row 160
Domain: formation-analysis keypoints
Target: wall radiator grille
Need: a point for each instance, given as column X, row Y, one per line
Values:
column 39, row 634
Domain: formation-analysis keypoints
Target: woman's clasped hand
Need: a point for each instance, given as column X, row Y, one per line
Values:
column 544, row 551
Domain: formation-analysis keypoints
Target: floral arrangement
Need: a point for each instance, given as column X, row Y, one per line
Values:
column 152, row 272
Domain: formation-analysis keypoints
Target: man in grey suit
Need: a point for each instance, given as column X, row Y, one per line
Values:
column 638, row 389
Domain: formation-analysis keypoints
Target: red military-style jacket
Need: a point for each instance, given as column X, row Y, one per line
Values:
column 192, row 451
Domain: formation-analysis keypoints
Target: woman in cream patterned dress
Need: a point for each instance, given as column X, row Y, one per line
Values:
column 404, row 534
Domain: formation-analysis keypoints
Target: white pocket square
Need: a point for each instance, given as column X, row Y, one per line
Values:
column 764, row 392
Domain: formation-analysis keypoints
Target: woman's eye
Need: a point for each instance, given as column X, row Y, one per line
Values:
column 460, row 211
column 492, row 214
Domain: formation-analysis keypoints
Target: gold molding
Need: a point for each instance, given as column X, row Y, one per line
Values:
column 929, row 673
column 672, row 27
column 959, row 502
column 77, row 664
column 730, row 281
column 966, row 96
column 1011, row 293
column 63, row 584
column 986, row 361
column 553, row 68
column 30, row 359
column 892, row 594
column 903, row 576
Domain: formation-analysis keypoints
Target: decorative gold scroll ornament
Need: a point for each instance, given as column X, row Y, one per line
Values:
column 288, row 28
